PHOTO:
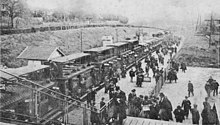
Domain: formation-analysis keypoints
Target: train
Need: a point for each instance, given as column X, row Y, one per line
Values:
column 72, row 75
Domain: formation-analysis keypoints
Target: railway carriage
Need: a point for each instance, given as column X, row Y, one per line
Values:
column 101, row 56
column 75, row 71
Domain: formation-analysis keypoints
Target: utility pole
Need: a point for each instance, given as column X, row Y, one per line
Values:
column 81, row 40
column 218, row 47
column 210, row 38
column 116, row 34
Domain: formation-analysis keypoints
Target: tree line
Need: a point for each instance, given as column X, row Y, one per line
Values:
column 17, row 11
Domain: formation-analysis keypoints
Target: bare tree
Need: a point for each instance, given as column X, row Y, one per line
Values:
column 15, row 8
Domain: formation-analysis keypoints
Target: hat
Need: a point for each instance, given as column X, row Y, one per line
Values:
column 133, row 90
column 146, row 97
column 162, row 95
column 186, row 97
column 194, row 105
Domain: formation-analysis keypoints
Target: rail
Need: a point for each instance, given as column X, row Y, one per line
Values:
column 60, row 104
column 106, row 110
column 67, row 27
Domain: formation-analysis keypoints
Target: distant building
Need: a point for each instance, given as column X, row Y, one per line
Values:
column 36, row 55
column 107, row 40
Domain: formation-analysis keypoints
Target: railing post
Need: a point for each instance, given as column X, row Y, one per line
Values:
column 84, row 119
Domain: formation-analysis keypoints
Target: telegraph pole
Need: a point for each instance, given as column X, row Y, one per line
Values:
column 116, row 34
column 81, row 40
column 218, row 47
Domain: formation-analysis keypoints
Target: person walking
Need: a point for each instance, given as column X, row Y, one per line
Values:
column 183, row 67
column 179, row 114
column 165, row 112
column 195, row 115
column 215, row 85
column 186, row 104
column 132, row 74
column 147, row 69
column 190, row 89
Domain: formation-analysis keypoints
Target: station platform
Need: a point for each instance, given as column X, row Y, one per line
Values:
column 144, row 121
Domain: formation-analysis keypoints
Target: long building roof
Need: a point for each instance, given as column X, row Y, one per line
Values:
column 20, row 71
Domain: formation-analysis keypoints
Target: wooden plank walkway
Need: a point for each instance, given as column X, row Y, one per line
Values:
column 144, row 121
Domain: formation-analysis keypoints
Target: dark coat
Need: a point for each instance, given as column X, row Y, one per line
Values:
column 179, row 114
column 204, row 115
column 166, row 108
column 91, row 96
column 165, row 104
column 121, row 95
column 183, row 66
column 195, row 116
column 190, row 87
column 132, row 73
column 130, row 97
column 94, row 116
column 120, row 105
column 102, row 104
column 186, row 104
column 154, row 111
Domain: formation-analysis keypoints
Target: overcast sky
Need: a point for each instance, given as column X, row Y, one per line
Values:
column 136, row 10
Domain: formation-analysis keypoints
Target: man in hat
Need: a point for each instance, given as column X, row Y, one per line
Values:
column 165, row 108
column 206, row 103
column 183, row 67
column 131, row 95
column 132, row 74
column 102, row 103
column 215, row 85
column 210, row 79
column 186, row 104
column 190, row 89
column 179, row 114
column 120, row 104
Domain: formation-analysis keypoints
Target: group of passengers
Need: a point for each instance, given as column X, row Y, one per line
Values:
column 143, row 106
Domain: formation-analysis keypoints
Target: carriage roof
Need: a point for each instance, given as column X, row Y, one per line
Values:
column 118, row 44
column 70, row 57
column 99, row 49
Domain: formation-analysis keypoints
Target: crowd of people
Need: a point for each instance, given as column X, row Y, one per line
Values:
column 159, row 108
